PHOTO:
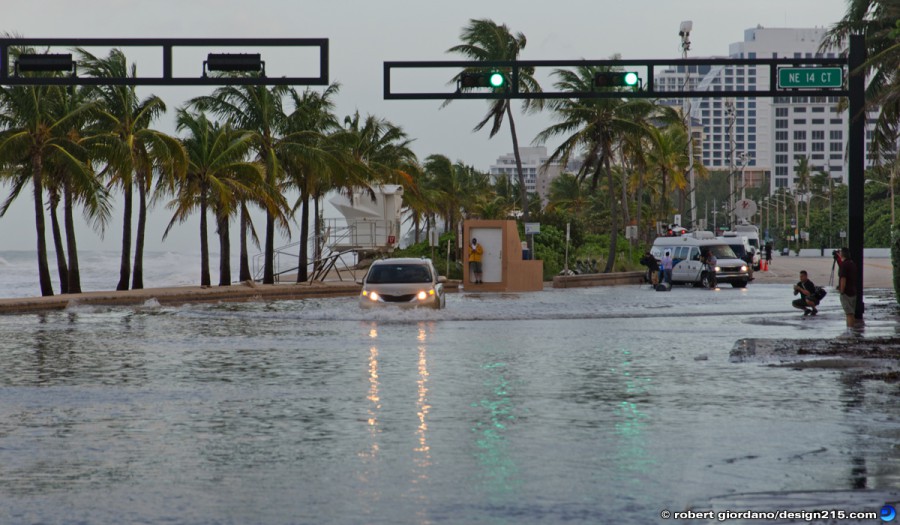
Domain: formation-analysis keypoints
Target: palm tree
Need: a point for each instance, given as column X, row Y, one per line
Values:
column 77, row 186
column 485, row 41
column 216, row 178
column 877, row 20
column 131, row 149
column 596, row 127
column 804, row 181
column 311, row 158
column 30, row 137
column 259, row 111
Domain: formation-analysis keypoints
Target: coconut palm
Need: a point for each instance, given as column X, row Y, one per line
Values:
column 878, row 21
column 311, row 158
column 485, row 41
column 216, row 178
column 803, row 182
column 131, row 149
column 76, row 186
column 594, row 127
column 30, row 138
column 258, row 110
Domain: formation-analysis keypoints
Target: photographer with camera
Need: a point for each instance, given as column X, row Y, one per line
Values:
column 847, row 285
column 808, row 299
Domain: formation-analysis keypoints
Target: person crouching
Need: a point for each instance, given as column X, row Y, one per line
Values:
column 807, row 291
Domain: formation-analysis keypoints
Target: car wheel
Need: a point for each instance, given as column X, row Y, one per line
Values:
column 705, row 280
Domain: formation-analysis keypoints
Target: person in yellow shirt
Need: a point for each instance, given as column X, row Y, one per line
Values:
column 475, row 253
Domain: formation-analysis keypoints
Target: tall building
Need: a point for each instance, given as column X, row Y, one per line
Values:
column 537, row 176
column 762, row 138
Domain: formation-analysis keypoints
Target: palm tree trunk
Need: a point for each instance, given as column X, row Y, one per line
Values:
column 269, row 264
column 43, row 267
column 613, row 227
column 224, row 252
column 204, row 242
column 523, row 193
column 71, row 245
column 244, row 271
column 125, row 264
column 58, row 244
column 319, row 240
column 137, row 282
column 639, row 205
column 303, row 256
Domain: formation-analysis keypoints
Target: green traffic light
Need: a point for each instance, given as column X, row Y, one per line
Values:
column 631, row 78
column 497, row 80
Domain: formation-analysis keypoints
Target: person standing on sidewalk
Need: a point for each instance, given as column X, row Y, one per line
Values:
column 847, row 286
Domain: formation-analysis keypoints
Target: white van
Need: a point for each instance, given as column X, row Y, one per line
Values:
column 751, row 232
column 687, row 268
column 741, row 247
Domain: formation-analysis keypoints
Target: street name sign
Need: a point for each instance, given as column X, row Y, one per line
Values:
column 810, row 77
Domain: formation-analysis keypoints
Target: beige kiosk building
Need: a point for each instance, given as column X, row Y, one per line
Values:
column 504, row 270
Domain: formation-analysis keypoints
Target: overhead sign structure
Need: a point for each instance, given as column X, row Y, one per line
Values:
column 810, row 77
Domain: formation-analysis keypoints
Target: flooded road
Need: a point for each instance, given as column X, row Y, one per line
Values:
column 600, row 405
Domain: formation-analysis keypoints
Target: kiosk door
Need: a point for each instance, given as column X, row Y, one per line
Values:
column 491, row 240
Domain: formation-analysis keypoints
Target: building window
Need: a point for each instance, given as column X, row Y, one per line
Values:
column 800, row 121
column 836, row 134
column 781, row 146
column 799, row 134
column 781, row 112
column 781, row 124
column 818, row 146
column 836, row 146
column 799, row 146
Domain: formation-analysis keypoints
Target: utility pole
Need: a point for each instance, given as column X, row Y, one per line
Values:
column 685, row 33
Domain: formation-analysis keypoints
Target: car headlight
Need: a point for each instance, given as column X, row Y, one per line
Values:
column 422, row 295
column 744, row 268
column 371, row 295
column 717, row 269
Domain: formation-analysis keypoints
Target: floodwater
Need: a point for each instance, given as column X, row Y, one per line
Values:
column 600, row 405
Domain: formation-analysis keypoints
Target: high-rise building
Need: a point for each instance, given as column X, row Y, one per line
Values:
column 537, row 176
column 762, row 138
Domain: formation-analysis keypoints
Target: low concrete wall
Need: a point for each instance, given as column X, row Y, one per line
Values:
column 874, row 253
column 598, row 279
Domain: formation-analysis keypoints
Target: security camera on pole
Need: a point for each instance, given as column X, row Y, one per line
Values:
column 684, row 31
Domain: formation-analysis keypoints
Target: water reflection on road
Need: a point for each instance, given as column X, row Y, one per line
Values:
column 600, row 405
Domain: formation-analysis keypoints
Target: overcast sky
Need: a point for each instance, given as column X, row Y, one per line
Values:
column 363, row 35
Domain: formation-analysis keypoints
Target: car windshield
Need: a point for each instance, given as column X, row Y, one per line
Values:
column 738, row 249
column 723, row 251
column 399, row 273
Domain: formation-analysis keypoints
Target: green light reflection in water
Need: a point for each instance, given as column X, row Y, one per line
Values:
column 632, row 458
column 496, row 414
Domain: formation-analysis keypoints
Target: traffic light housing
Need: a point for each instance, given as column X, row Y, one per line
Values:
column 489, row 79
column 607, row 79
